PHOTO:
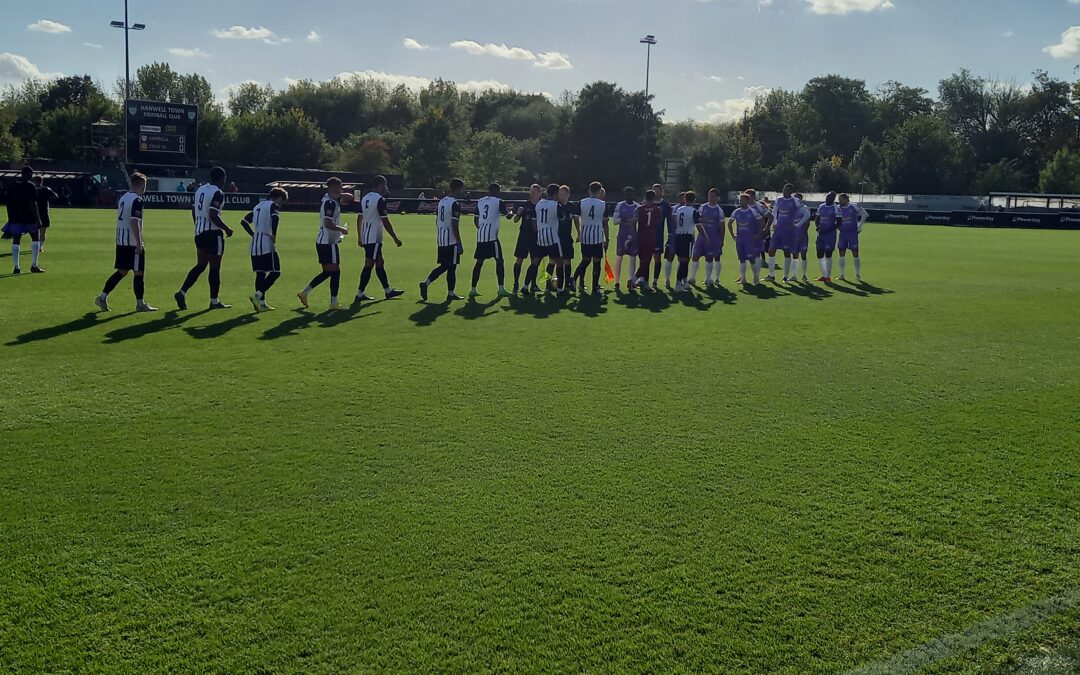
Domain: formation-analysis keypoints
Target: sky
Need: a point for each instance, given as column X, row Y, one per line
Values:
column 712, row 58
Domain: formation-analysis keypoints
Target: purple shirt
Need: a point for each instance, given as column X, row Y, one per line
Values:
column 786, row 212
column 712, row 218
column 827, row 214
column 849, row 219
column 746, row 222
column 624, row 213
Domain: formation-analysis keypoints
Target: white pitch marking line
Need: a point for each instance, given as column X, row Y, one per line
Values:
column 951, row 645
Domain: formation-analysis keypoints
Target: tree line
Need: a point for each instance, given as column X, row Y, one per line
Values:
column 977, row 135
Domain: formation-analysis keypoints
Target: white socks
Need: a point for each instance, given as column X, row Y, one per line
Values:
column 697, row 264
column 843, row 264
column 757, row 269
column 742, row 270
column 716, row 271
column 857, row 266
column 708, row 272
column 787, row 267
column 802, row 267
column 15, row 255
column 667, row 272
column 772, row 265
column 35, row 251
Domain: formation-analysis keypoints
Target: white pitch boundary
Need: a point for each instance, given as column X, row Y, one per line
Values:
column 953, row 644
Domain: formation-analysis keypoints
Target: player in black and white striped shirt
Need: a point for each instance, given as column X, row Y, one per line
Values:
column 593, row 235
column 548, row 213
column 331, row 232
column 489, row 212
column 372, row 221
column 262, row 225
column 210, row 233
column 130, row 250
column 447, row 217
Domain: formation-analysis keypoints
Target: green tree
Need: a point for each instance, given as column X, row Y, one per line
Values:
column 866, row 165
column 611, row 136
column 250, row 98
column 923, row 157
column 266, row 139
column 834, row 114
column 830, row 174
column 490, row 156
column 1061, row 174
column 370, row 156
column 896, row 103
column 1004, row 176
column 10, row 147
column 429, row 149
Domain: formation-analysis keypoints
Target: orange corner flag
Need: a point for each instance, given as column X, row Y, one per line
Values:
column 609, row 274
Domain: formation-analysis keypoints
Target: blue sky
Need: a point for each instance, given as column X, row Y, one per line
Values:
column 713, row 56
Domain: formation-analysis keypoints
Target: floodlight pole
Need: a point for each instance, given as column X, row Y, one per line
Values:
column 128, row 27
column 648, row 41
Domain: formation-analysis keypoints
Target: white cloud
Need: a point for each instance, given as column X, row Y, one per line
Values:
column 314, row 37
column 46, row 26
column 417, row 82
column 409, row 43
column 547, row 60
column 245, row 33
column 733, row 108
column 15, row 68
column 92, row 45
column 845, row 6
column 290, row 81
column 711, row 78
column 1069, row 46
column 1008, row 33
column 186, row 53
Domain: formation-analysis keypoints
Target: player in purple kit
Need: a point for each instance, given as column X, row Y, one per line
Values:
column 852, row 217
column 785, row 215
column 746, row 228
column 802, row 238
column 828, row 217
column 709, row 244
column 626, row 242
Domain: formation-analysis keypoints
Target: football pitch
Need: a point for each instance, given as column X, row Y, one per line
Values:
column 882, row 476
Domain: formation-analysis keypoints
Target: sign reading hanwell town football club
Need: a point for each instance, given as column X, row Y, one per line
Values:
column 162, row 134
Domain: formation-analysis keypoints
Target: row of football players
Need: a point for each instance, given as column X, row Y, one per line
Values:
column 546, row 232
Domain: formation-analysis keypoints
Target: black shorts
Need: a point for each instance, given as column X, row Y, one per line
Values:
column 211, row 242
column 45, row 222
column 485, row 250
column 448, row 255
column 553, row 251
column 373, row 251
column 328, row 254
column 526, row 242
column 592, row 250
column 566, row 240
column 267, row 262
column 127, row 259
column 684, row 245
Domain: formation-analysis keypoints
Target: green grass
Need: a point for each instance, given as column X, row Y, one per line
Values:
column 748, row 482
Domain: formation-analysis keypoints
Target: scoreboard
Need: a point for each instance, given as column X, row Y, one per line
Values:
column 161, row 134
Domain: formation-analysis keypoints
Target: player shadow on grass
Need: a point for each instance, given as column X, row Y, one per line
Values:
column 220, row 328
column 430, row 312
column 167, row 321
column 694, row 301
column 870, row 289
column 88, row 320
column 809, row 291
column 539, row 306
column 720, row 294
column 473, row 310
column 848, row 288
column 590, row 305
column 656, row 301
column 763, row 291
